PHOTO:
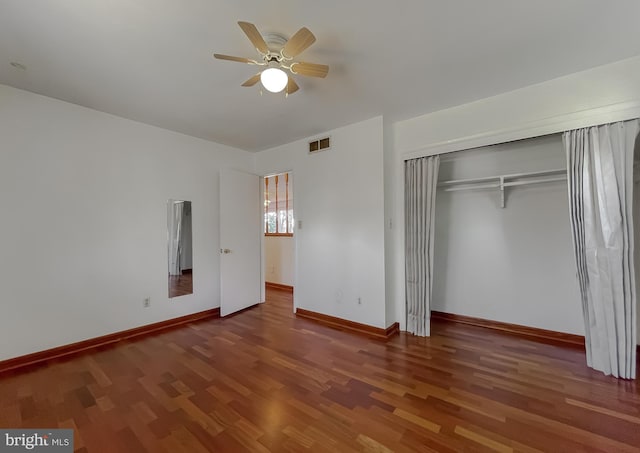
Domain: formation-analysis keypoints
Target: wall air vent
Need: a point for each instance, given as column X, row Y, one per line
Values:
column 321, row 144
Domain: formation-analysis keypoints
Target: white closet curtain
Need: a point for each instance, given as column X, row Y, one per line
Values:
column 175, row 234
column 421, row 178
column 600, row 182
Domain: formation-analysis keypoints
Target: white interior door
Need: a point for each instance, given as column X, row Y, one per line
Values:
column 240, row 236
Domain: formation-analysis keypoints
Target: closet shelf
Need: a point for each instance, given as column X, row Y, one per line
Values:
column 502, row 181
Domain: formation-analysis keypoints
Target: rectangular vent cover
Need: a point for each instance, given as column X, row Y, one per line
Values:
column 321, row 144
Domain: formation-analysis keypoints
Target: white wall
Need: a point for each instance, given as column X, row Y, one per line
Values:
column 514, row 264
column 71, row 176
column 599, row 95
column 279, row 259
column 339, row 200
column 83, row 231
column 606, row 93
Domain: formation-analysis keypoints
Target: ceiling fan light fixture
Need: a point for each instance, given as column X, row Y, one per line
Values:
column 274, row 79
column 276, row 55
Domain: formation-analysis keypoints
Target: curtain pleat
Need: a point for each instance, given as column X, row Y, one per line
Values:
column 421, row 177
column 600, row 185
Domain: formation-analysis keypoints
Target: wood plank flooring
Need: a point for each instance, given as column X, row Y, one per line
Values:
column 180, row 285
column 265, row 381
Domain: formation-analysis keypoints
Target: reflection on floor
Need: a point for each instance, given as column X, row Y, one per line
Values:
column 180, row 285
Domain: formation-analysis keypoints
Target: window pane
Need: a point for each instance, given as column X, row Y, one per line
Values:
column 278, row 205
column 271, row 222
column 290, row 219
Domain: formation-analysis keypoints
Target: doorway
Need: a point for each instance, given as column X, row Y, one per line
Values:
column 278, row 245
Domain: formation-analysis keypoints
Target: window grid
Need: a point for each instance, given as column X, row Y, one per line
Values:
column 278, row 219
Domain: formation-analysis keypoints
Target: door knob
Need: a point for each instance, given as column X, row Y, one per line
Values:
column 225, row 251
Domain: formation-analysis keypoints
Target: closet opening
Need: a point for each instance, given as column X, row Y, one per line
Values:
column 503, row 247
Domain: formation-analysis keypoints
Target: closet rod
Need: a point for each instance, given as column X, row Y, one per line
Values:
column 474, row 186
column 534, row 181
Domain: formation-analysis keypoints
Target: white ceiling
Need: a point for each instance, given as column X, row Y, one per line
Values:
column 151, row 60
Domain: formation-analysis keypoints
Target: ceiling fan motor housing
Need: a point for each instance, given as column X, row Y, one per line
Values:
column 275, row 41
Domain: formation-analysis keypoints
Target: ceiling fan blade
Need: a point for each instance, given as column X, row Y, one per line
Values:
column 252, row 81
column 292, row 86
column 298, row 43
column 232, row 58
column 310, row 69
column 254, row 36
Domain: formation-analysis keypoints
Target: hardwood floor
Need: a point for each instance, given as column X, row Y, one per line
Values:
column 263, row 380
column 181, row 285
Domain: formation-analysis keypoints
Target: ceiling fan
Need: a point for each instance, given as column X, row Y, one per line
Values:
column 276, row 55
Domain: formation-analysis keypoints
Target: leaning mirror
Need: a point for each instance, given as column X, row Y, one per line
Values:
column 180, row 248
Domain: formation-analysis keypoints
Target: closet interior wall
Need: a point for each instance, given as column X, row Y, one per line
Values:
column 512, row 264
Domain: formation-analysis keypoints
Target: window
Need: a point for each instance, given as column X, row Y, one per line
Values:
column 278, row 206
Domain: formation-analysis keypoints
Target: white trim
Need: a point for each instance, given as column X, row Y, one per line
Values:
column 583, row 118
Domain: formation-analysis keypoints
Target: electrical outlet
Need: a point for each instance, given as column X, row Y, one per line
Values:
column 359, row 300
column 146, row 303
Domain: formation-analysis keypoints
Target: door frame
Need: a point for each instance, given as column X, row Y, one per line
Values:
column 292, row 184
